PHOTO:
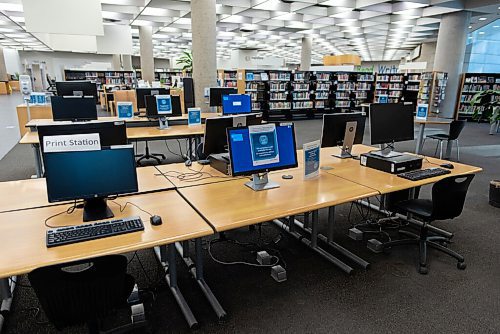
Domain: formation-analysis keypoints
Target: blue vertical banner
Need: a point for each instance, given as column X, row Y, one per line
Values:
column 125, row 109
column 194, row 116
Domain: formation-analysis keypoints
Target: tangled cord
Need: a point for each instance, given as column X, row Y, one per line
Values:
column 193, row 176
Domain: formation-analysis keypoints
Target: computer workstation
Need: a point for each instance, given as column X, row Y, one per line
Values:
column 141, row 94
column 77, row 88
column 73, row 108
column 344, row 130
column 216, row 93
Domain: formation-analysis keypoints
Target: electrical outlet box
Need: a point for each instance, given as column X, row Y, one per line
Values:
column 375, row 246
column 355, row 234
column 278, row 273
column 263, row 258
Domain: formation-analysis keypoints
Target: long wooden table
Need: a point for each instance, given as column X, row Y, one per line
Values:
column 32, row 193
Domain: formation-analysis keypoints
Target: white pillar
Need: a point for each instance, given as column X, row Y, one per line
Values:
column 146, row 49
column 450, row 53
column 305, row 54
column 204, row 48
column 116, row 63
column 127, row 62
column 3, row 68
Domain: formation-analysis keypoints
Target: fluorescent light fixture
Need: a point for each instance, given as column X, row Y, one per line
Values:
column 482, row 19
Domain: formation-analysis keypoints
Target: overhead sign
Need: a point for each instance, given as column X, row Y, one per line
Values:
column 70, row 143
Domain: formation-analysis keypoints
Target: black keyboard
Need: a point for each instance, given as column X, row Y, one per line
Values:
column 421, row 174
column 73, row 234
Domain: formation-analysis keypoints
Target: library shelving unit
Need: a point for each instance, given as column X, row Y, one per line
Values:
column 280, row 99
column 365, row 85
column 412, row 85
column 432, row 90
column 323, row 91
column 165, row 76
column 101, row 77
column 254, row 82
column 302, row 99
column 392, row 85
column 228, row 78
column 344, row 86
column 470, row 85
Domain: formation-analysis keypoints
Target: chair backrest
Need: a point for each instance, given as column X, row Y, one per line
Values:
column 456, row 128
column 448, row 196
column 84, row 295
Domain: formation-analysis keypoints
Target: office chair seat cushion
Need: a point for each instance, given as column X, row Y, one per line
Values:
column 441, row 136
column 418, row 207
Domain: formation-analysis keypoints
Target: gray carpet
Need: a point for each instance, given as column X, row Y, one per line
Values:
column 390, row 297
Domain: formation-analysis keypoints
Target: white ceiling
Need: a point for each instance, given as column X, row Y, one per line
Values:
column 374, row 29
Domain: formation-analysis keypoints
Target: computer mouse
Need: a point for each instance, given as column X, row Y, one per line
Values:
column 188, row 163
column 448, row 166
column 155, row 220
column 287, row 177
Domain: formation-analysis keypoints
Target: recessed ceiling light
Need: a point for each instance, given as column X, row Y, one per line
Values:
column 481, row 33
column 470, row 27
column 482, row 19
column 496, row 26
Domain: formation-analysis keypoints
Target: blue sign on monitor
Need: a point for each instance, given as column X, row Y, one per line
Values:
column 163, row 104
column 236, row 104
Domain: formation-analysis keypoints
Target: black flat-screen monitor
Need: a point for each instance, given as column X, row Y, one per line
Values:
column 152, row 111
column 215, row 138
column 216, row 95
column 110, row 133
column 142, row 92
column 73, row 108
column 76, row 88
column 91, row 176
column 391, row 122
column 334, row 128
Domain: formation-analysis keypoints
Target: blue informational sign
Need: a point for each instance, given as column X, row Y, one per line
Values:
column 125, row 109
column 164, row 104
column 264, row 144
column 422, row 111
column 383, row 99
column 311, row 159
column 194, row 116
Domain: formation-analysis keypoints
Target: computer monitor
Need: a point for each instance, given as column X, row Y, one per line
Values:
column 216, row 94
column 76, row 88
column 142, row 92
column 91, row 176
column 334, row 126
column 236, row 104
column 73, row 108
column 110, row 133
column 215, row 138
column 152, row 111
column 258, row 149
column 391, row 122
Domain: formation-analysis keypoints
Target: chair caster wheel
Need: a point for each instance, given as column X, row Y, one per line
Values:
column 461, row 265
column 423, row 270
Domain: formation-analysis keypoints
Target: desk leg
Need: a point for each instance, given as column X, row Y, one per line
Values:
column 6, row 294
column 420, row 138
column 197, row 141
column 314, row 231
column 196, row 270
column 449, row 146
column 171, row 277
column 308, row 243
column 38, row 160
column 306, row 219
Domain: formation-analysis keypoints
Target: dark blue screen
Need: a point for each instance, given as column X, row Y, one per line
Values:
column 241, row 154
column 88, row 174
column 236, row 104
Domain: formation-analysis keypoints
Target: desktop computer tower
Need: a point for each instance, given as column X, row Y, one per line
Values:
column 220, row 161
column 394, row 165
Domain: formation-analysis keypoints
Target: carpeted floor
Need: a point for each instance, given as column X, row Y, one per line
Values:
column 390, row 297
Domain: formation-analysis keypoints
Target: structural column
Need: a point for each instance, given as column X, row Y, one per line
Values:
column 116, row 63
column 305, row 54
column 450, row 53
column 147, row 61
column 204, row 49
column 127, row 62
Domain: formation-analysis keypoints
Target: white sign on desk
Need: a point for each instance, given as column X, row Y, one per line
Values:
column 70, row 143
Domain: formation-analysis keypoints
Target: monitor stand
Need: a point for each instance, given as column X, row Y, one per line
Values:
column 96, row 209
column 347, row 144
column 386, row 152
column 163, row 123
column 261, row 182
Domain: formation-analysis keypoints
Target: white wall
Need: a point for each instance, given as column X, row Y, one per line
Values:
column 12, row 61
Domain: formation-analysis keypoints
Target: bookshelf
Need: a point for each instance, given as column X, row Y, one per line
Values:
column 101, row 77
column 412, row 86
column 432, row 89
column 280, row 101
column 470, row 85
column 228, row 78
column 254, row 83
column 323, row 91
column 391, row 85
column 302, row 98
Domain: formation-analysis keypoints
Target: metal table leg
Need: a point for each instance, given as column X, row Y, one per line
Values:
column 420, row 139
column 38, row 160
column 449, row 146
column 196, row 270
column 167, row 257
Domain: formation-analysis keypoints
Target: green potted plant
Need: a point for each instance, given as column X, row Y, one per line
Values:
column 490, row 100
column 186, row 60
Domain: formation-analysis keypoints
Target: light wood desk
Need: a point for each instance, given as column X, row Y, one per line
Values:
column 36, row 112
column 421, row 133
column 22, row 236
column 192, row 176
column 32, row 193
column 230, row 205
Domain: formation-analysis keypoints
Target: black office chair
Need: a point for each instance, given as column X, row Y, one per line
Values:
column 148, row 155
column 456, row 128
column 448, row 198
column 84, row 291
